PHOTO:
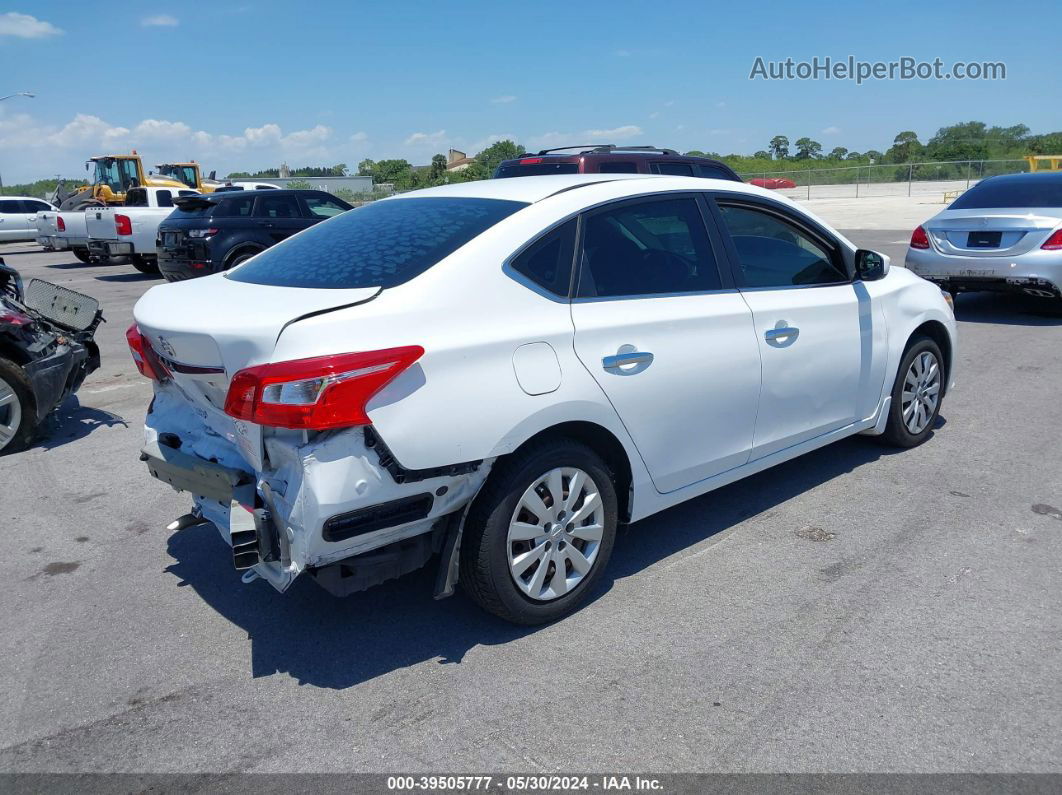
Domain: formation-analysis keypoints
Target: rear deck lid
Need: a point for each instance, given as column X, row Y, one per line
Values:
column 990, row 233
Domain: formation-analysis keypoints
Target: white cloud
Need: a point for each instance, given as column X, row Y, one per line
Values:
column 550, row 139
column 720, row 104
column 23, row 26
column 654, row 114
column 616, row 133
column 504, row 100
column 359, row 137
column 426, row 139
column 831, row 130
column 49, row 149
column 160, row 21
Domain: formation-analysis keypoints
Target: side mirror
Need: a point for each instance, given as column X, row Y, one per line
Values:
column 870, row 265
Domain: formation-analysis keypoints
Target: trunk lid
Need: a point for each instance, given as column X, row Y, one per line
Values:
column 989, row 233
column 207, row 329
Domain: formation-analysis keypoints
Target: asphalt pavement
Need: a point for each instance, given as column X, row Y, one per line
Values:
column 858, row 609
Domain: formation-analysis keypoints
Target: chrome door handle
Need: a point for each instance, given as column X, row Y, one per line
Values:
column 621, row 359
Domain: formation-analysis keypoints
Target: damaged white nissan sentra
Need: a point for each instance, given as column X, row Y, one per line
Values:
column 502, row 371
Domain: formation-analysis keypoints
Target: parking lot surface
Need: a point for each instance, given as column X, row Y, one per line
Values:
column 857, row 609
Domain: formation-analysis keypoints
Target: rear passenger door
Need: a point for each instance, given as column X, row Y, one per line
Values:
column 279, row 217
column 666, row 336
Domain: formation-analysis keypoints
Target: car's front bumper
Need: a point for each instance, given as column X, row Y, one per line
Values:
column 1036, row 272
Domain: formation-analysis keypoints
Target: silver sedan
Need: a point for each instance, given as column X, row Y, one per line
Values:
column 1004, row 234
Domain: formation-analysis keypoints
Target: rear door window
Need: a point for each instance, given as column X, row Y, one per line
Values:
column 236, row 207
column 382, row 244
column 675, row 169
column 277, row 207
column 647, row 248
column 713, row 172
column 10, row 206
column 518, row 169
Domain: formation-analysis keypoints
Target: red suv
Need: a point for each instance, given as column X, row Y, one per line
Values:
column 609, row 159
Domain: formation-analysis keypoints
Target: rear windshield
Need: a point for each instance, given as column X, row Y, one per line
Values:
column 1036, row 191
column 534, row 169
column 379, row 245
column 236, row 207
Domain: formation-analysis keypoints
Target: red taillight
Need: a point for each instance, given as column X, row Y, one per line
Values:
column 14, row 318
column 123, row 224
column 318, row 393
column 142, row 354
column 919, row 238
column 1053, row 243
column 528, row 160
column 60, row 224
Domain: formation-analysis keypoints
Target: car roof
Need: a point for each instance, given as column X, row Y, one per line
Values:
column 28, row 198
column 270, row 191
column 1024, row 177
column 535, row 189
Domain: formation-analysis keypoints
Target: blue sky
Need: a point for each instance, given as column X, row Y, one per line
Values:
column 246, row 84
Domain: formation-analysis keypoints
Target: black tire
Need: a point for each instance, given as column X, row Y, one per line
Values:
column 240, row 258
column 484, row 570
column 144, row 264
column 896, row 431
column 12, row 376
column 83, row 255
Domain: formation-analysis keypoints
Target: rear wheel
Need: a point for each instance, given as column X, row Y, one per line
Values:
column 83, row 255
column 916, row 395
column 540, row 533
column 18, row 416
column 240, row 258
column 144, row 264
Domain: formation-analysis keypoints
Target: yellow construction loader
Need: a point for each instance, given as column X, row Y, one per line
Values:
column 112, row 176
column 188, row 174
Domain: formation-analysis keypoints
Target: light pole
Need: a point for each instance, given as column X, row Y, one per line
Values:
column 25, row 94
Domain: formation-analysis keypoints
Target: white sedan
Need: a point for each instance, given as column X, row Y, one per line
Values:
column 503, row 371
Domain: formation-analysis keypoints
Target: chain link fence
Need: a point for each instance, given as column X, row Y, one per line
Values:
column 903, row 179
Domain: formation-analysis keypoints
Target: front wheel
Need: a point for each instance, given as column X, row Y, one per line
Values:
column 916, row 395
column 540, row 533
column 18, row 417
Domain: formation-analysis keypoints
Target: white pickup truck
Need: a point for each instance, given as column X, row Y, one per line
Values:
column 63, row 230
column 131, row 229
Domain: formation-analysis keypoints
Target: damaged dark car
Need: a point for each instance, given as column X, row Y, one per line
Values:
column 46, row 351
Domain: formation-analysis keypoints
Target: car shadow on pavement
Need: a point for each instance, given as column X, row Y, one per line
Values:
column 73, row 421
column 130, row 277
column 336, row 643
column 1007, row 309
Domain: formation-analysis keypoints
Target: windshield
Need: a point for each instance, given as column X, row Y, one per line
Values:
column 382, row 244
column 117, row 174
column 518, row 169
column 1033, row 191
column 185, row 174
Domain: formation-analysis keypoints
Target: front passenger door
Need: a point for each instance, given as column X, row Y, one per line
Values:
column 822, row 343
